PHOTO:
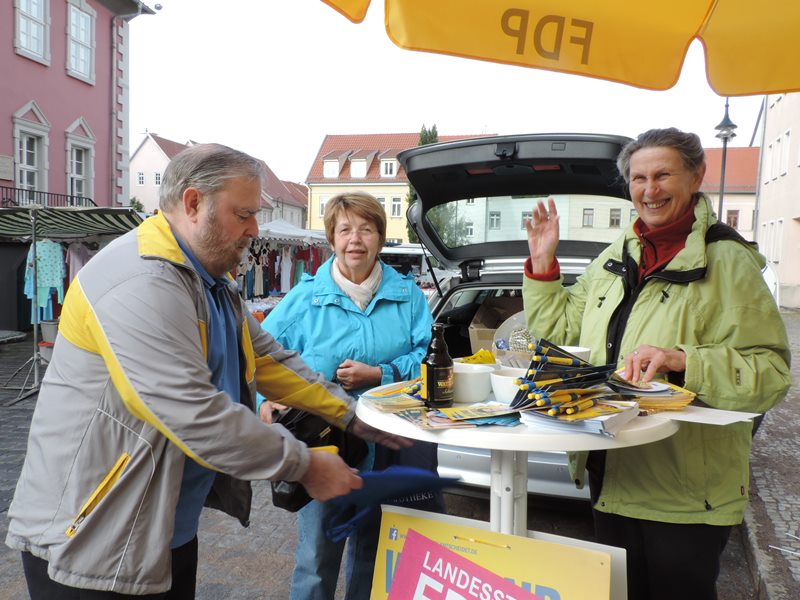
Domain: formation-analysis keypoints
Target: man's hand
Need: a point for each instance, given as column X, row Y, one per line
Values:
column 366, row 432
column 266, row 409
column 329, row 476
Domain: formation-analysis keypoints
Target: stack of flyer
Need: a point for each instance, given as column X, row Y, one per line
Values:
column 605, row 417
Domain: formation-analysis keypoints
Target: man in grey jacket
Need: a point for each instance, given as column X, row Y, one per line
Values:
column 145, row 413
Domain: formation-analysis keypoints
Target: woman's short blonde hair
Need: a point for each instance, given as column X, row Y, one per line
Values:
column 359, row 203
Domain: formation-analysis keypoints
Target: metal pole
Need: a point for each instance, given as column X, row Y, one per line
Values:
column 35, row 300
column 722, row 178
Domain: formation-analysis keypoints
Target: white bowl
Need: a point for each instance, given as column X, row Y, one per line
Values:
column 503, row 383
column 460, row 361
column 578, row 351
column 471, row 382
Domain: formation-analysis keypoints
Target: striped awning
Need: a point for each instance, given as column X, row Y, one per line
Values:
column 66, row 223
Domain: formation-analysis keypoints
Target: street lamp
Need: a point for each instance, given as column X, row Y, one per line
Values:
column 725, row 129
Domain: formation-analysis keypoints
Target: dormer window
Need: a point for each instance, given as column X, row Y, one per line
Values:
column 330, row 169
column 358, row 168
column 388, row 168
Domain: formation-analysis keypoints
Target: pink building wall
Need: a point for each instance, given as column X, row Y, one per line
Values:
column 63, row 98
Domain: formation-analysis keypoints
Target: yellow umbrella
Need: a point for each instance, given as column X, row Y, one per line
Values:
column 751, row 47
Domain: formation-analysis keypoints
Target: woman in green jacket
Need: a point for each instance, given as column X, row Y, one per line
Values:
column 677, row 296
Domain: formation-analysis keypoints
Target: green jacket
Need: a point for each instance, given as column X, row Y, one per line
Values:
column 710, row 302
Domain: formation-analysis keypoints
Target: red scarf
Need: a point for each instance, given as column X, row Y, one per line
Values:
column 660, row 245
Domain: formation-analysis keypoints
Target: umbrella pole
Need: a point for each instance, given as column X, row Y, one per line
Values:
column 35, row 302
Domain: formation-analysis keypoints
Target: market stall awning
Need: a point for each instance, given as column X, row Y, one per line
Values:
column 66, row 223
column 283, row 231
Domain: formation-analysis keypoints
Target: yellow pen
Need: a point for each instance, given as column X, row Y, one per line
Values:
column 580, row 405
column 331, row 449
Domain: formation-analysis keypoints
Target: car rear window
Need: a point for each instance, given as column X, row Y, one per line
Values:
column 582, row 217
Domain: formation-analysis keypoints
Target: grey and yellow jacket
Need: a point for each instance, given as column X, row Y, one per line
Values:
column 711, row 302
column 127, row 397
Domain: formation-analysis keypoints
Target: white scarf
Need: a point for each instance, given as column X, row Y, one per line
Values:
column 360, row 293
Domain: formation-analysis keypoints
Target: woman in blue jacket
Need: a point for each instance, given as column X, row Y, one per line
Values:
column 361, row 324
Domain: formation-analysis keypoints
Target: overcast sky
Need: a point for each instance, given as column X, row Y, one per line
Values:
column 274, row 77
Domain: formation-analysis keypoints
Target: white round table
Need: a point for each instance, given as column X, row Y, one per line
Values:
column 509, row 448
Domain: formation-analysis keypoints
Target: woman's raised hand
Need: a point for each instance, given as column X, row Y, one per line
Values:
column 542, row 231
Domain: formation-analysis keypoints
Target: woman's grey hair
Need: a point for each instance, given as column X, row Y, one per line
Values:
column 207, row 167
column 687, row 144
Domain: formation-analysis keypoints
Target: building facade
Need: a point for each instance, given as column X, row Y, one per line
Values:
column 64, row 101
column 741, row 184
column 778, row 204
column 366, row 162
column 280, row 199
column 147, row 165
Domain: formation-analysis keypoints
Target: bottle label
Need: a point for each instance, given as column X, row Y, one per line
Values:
column 440, row 392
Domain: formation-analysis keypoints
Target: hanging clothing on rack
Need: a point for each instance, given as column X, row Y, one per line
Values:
column 286, row 269
column 78, row 254
column 258, row 276
column 50, row 273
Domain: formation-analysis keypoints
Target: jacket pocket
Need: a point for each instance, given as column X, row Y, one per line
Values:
column 99, row 493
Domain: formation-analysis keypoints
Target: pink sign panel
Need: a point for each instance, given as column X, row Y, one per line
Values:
column 428, row 571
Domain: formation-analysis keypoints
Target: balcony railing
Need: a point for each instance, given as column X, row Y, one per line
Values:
column 12, row 197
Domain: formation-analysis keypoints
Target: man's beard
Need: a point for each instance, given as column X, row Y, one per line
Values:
column 224, row 256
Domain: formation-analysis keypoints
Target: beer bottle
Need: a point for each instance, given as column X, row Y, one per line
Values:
column 437, row 372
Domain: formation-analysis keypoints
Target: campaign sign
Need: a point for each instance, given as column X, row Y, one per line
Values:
column 429, row 571
column 545, row 569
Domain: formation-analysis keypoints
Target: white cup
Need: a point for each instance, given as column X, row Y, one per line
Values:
column 503, row 383
column 471, row 382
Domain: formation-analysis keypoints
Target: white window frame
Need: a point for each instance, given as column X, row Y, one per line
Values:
column 588, row 212
column 775, row 159
column 397, row 207
column 382, row 202
column 85, row 140
column 767, row 171
column 358, row 168
column 731, row 214
column 157, row 178
column 139, row 177
column 77, row 8
column 634, row 215
column 322, row 201
column 470, row 228
column 611, row 213
column 39, row 129
column 785, row 150
column 388, row 168
column 21, row 15
column 470, row 201
column 527, row 215
column 330, row 169
column 494, row 219
column 778, row 246
column 24, row 168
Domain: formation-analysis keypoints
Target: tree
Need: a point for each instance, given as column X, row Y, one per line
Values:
column 426, row 136
column 136, row 204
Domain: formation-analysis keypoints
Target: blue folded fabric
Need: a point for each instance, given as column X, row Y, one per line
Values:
column 391, row 486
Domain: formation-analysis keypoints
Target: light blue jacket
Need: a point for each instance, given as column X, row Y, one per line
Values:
column 318, row 320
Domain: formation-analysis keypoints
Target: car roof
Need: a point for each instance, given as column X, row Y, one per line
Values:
column 511, row 165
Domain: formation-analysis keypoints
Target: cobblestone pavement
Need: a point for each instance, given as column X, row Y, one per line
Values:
column 255, row 563
column 774, row 513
